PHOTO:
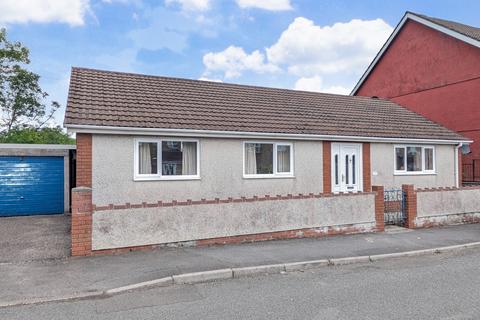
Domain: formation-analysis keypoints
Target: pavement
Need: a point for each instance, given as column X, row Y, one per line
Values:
column 433, row 287
column 25, row 282
column 34, row 238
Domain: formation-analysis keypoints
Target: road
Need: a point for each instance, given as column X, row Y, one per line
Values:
column 445, row 286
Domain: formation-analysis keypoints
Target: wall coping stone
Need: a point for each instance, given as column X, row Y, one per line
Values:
column 82, row 189
column 189, row 202
column 447, row 189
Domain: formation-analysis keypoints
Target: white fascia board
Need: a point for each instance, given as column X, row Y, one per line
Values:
column 245, row 135
column 418, row 19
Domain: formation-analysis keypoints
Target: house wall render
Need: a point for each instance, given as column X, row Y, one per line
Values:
column 221, row 176
column 382, row 162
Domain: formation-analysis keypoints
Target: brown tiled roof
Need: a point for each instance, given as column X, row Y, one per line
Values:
column 466, row 30
column 105, row 98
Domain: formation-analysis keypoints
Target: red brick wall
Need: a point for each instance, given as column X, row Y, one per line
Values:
column 367, row 170
column 84, row 160
column 410, row 205
column 81, row 232
column 327, row 167
column 379, row 207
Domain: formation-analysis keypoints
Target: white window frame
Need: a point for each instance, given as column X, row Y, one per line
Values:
column 152, row 177
column 408, row 173
column 275, row 174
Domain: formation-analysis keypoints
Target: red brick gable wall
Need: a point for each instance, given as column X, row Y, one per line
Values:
column 434, row 75
column 421, row 58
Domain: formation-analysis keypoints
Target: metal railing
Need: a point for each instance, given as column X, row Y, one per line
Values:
column 471, row 171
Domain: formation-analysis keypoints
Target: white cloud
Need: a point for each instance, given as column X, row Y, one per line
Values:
column 309, row 84
column 191, row 5
column 307, row 49
column 207, row 79
column 315, row 83
column 234, row 60
column 42, row 11
column 272, row 5
column 309, row 53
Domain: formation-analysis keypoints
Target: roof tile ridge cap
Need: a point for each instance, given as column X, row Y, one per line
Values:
column 441, row 21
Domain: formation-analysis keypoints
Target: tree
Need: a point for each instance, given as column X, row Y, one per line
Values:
column 22, row 101
column 34, row 135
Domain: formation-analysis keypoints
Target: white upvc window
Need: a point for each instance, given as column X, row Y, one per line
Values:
column 414, row 159
column 166, row 159
column 263, row 159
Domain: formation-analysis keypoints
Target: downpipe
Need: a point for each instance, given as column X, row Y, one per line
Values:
column 457, row 177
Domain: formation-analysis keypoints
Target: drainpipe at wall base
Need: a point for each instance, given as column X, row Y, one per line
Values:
column 457, row 178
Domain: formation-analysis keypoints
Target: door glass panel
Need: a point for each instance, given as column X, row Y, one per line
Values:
column 336, row 169
column 353, row 169
column 346, row 169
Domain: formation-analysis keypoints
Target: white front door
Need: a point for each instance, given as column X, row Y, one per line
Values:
column 346, row 167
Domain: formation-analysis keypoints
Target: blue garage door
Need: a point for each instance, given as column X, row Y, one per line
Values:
column 31, row 185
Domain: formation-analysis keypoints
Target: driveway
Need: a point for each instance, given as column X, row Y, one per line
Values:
column 34, row 238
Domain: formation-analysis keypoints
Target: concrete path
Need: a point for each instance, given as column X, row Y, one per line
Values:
column 53, row 279
column 34, row 238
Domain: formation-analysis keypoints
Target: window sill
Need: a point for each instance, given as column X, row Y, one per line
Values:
column 415, row 174
column 262, row 176
column 177, row 178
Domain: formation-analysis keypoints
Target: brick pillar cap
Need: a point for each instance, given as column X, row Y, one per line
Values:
column 82, row 189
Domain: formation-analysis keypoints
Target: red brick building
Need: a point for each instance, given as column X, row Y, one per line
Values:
column 432, row 67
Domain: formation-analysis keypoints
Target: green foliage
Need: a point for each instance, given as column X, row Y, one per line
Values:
column 36, row 136
column 22, row 101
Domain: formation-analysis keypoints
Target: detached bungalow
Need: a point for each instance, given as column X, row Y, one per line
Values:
column 167, row 160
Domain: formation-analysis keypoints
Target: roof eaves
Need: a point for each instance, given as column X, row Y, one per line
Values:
column 257, row 135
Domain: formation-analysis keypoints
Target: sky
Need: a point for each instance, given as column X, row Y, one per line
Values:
column 316, row 45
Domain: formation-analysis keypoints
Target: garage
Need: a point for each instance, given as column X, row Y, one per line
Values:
column 35, row 179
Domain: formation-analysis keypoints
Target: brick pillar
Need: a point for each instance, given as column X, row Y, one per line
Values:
column 379, row 207
column 81, row 231
column 84, row 160
column 327, row 167
column 367, row 172
column 410, row 205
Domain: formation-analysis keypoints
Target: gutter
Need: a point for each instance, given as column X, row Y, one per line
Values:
column 74, row 128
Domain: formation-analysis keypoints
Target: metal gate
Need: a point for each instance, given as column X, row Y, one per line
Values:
column 394, row 207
